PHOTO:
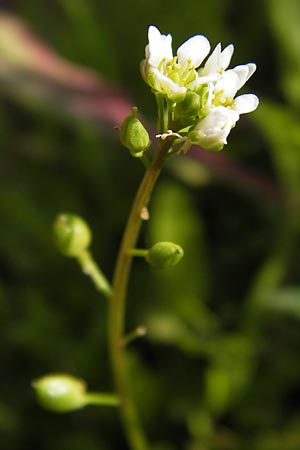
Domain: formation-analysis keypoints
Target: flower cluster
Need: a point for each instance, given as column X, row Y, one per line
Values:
column 202, row 102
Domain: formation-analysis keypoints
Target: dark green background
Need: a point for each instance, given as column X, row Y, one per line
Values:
column 220, row 367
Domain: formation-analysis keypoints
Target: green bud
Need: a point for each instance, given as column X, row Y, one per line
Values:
column 186, row 111
column 164, row 254
column 72, row 235
column 133, row 135
column 60, row 392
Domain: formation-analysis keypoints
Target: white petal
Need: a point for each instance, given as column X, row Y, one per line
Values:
column 212, row 63
column 228, row 84
column 226, row 56
column 203, row 80
column 245, row 103
column 244, row 72
column 161, row 83
column 159, row 47
column 211, row 132
column 218, row 60
column 252, row 69
column 193, row 51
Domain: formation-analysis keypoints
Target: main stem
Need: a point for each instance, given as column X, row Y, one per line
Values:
column 132, row 426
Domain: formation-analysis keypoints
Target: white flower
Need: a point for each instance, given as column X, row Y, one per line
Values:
column 173, row 75
column 220, row 108
column 214, row 66
column 211, row 108
column 225, row 89
column 211, row 132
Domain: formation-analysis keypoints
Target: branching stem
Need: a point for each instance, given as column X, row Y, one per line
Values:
column 129, row 415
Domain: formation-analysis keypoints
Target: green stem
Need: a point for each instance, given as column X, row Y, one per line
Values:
column 142, row 252
column 129, row 415
column 90, row 268
column 163, row 119
column 145, row 160
column 134, row 334
column 101, row 399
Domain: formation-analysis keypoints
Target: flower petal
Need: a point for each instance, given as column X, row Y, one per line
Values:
column 193, row 51
column 244, row 72
column 203, row 80
column 161, row 83
column 228, row 84
column 159, row 47
column 245, row 103
column 212, row 131
column 218, row 60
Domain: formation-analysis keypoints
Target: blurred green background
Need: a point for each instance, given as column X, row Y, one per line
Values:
column 220, row 367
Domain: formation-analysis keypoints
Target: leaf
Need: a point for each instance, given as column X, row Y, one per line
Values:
column 229, row 374
column 286, row 301
column 280, row 127
column 284, row 16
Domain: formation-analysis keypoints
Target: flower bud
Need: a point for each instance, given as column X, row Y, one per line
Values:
column 60, row 392
column 164, row 254
column 133, row 135
column 71, row 234
column 186, row 111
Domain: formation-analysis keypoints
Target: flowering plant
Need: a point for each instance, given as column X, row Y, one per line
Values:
column 196, row 105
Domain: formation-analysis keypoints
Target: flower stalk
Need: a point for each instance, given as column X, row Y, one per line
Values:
column 129, row 415
column 91, row 269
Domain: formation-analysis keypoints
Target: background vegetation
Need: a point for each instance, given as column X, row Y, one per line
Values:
column 220, row 367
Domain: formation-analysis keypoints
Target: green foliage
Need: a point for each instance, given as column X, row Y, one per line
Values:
column 219, row 369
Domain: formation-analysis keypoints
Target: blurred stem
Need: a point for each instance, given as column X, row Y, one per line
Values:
column 142, row 252
column 90, row 268
column 101, row 399
column 134, row 334
column 132, row 426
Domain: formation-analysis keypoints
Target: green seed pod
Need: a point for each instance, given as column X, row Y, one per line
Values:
column 133, row 135
column 60, row 392
column 72, row 235
column 164, row 254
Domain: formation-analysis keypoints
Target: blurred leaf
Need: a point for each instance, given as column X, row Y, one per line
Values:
column 284, row 19
column 280, row 128
column 229, row 374
column 94, row 40
column 8, row 419
column 201, row 425
column 175, row 219
column 287, row 438
column 190, row 171
column 285, row 300
column 171, row 329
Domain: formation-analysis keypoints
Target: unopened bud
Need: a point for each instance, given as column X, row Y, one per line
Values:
column 164, row 254
column 60, row 392
column 186, row 111
column 72, row 235
column 133, row 135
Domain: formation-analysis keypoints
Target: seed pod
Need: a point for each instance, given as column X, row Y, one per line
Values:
column 133, row 135
column 164, row 254
column 72, row 235
column 60, row 392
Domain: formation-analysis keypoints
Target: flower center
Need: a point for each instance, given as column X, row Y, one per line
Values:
column 220, row 100
column 179, row 73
